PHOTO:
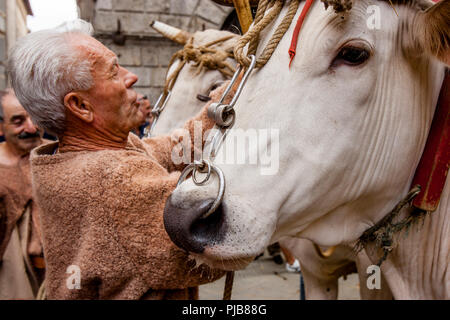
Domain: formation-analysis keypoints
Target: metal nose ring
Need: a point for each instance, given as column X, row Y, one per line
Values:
column 211, row 168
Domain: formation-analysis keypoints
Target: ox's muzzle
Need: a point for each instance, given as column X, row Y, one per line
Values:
column 188, row 228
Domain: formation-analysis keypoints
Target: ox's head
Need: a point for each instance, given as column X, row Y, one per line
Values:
column 352, row 115
column 194, row 82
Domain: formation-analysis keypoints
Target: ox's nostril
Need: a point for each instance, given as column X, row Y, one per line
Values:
column 208, row 230
column 188, row 229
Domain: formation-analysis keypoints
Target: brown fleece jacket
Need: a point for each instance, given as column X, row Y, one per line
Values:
column 15, row 195
column 102, row 211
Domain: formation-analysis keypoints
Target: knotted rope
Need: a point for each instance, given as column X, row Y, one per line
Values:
column 382, row 233
column 262, row 20
column 204, row 56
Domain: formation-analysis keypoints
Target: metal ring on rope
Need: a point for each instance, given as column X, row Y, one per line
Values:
column 223, row 114
column 200, row 166
column 193, row 167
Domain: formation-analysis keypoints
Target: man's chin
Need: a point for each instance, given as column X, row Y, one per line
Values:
column 29, row 144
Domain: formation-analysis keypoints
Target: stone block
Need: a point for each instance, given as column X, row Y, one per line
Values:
column 105, row 21
column 201, row 24
column 144, row 75
column 2, row 78
column 157, row 6
column 129, row 5
column 209, row 11
column 150, row 55
column 86, row 9
column 158, row 53
column 2, row 48
column 133, row 22
column 129, row 55
column 2, row 24
column 157, row 76
column 104, row 5
column 166, row 53
column 186, row 7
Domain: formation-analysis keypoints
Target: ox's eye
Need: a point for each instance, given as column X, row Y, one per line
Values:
column 351, row 55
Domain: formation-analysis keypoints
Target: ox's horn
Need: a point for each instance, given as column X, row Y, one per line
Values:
column 172, row 33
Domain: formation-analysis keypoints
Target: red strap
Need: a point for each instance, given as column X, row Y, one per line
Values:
column 431, row 173
column 293, row 48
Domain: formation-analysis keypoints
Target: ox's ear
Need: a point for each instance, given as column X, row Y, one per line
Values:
column 432, row 31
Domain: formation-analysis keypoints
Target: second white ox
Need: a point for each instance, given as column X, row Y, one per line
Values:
column 193, row 83
column 353, row 114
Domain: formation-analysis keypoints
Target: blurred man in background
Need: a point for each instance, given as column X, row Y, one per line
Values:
column 146, row 110
column 22, row 266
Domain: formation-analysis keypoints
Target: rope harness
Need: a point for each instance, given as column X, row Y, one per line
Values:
column 204, row 57
column 383, row 232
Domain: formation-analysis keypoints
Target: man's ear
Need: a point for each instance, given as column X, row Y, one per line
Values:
column 79, row 107
column 432, row 31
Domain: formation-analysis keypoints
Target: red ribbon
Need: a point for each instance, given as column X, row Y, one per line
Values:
column 293, row 48
column 432, row 171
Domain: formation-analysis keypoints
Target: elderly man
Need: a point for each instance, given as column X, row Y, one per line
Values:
column 22, row 265
column 101, row 189
column 146, row 110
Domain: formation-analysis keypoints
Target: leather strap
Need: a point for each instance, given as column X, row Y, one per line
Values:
column 432, row 170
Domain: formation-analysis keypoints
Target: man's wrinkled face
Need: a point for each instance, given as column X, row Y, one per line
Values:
column 17, row 127
column 112, row 97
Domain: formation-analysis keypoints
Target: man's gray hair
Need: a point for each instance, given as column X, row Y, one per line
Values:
column 44, row 67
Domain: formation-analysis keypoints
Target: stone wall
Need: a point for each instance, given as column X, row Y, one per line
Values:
column 2, row 44
column 13, row 25
column 145, row 52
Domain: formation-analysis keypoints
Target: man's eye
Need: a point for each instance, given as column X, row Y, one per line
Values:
column 352, row 56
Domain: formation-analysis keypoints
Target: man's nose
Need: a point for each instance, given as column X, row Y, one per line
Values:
column 130, row 78
column 30, row 127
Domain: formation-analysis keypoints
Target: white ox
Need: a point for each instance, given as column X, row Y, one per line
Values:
column 321, row 274
column 353, row 114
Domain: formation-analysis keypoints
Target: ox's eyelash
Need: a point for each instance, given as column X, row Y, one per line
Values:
column 353, row 53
